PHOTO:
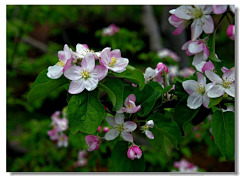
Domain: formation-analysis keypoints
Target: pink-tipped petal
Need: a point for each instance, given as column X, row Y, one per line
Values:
column 88, row 62
column 136, row 109
column 219, row 9
column 127, row 136
column 111, row 121
column 185, row 45
column 105, row 56
column 73, row 73
column 67, row 65
column 205, row 100
column 201, row 79
column 61, row 56
column 129, row 126
column 76, row 87
column 231, row 32
column 111, row 134
column 115, row 53
column 149, row 134
column 150, row 123
column 180, row 28
column 67, row 51
column 131, row 97
column 99, row 72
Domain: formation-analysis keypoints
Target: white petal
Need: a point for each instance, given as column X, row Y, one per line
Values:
column 90, row 84
column 194, row 101
column 127, row 136
column 209, row 86
column 184, row 12
column 196, row 29
column 150, row 123
column 216, row 91
column 213, row 77
column 231, row 90
column 201, row 79
column 129, row 126
column 119, row 118
column 229, row 76
column 207, row 9
column 55, row 72
column 198, row 58
column 76, row 86
column 205, row 100
column 208, row 24
column 149, row 74
column 73, row 73
column 88, row 62
column 200, row 66
column 111, row 134
column 195, row 47
column 110, row 120
column 190, row 86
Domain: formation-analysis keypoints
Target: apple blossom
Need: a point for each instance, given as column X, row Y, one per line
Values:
column 119, row 126
column 53, row 134
column 110, row 30
column 82, row 50
column 185, row 166
column 203, row 66
column 225, row 69
column 112, row 60
column 200, row 14
column 145, row 128
column 86, row 76
column 152, row 75
column 134, row 152
column 62, row 140
column 197, row 91
column 99, row 128
column 231, row 32
column 221, row 85
column 93, row 142
column 65, row 59
column 130, row 106
column 199, row 49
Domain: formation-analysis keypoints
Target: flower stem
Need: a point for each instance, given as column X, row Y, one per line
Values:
column 165, row 78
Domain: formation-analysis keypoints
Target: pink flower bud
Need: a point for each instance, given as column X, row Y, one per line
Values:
column 208, row 66
column 93, row 142
column 106, row 129
column 231, row 32
column 134, row 152
column 162, row 67
column 99, row 128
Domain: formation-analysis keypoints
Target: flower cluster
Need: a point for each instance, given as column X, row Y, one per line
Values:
column 82, row 160
column 80, row 66
column 185, row 166
column 59, row 126
column 110, row 30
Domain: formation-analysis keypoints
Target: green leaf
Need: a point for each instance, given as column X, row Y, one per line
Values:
column 223, row 128
column 179, row 90
column 183, row 114
column 214, row 101
column 147, row 97
column 122, row 163
column 135, row 75
column 166, row 89
column 85, row 112
column 114, row 89
column 166, row 127
column 44, row 85
column 201, row 115
column 211, row 45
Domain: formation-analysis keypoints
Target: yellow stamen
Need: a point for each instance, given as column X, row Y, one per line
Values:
column 119, row 127
column 130, row 106
column 85, row 74
column 113, row 61
column 61, row 63
column 200, row 90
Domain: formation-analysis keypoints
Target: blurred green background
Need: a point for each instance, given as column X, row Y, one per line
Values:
column 34, row 36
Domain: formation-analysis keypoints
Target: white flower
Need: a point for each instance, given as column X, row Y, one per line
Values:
column 119, row 126
column 197, row 91
column 221, row 85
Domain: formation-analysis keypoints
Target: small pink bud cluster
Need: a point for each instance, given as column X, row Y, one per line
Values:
column 231, row 32
column 185, row 166
column 59, row 126
column 104, row 129
column 134, row 152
